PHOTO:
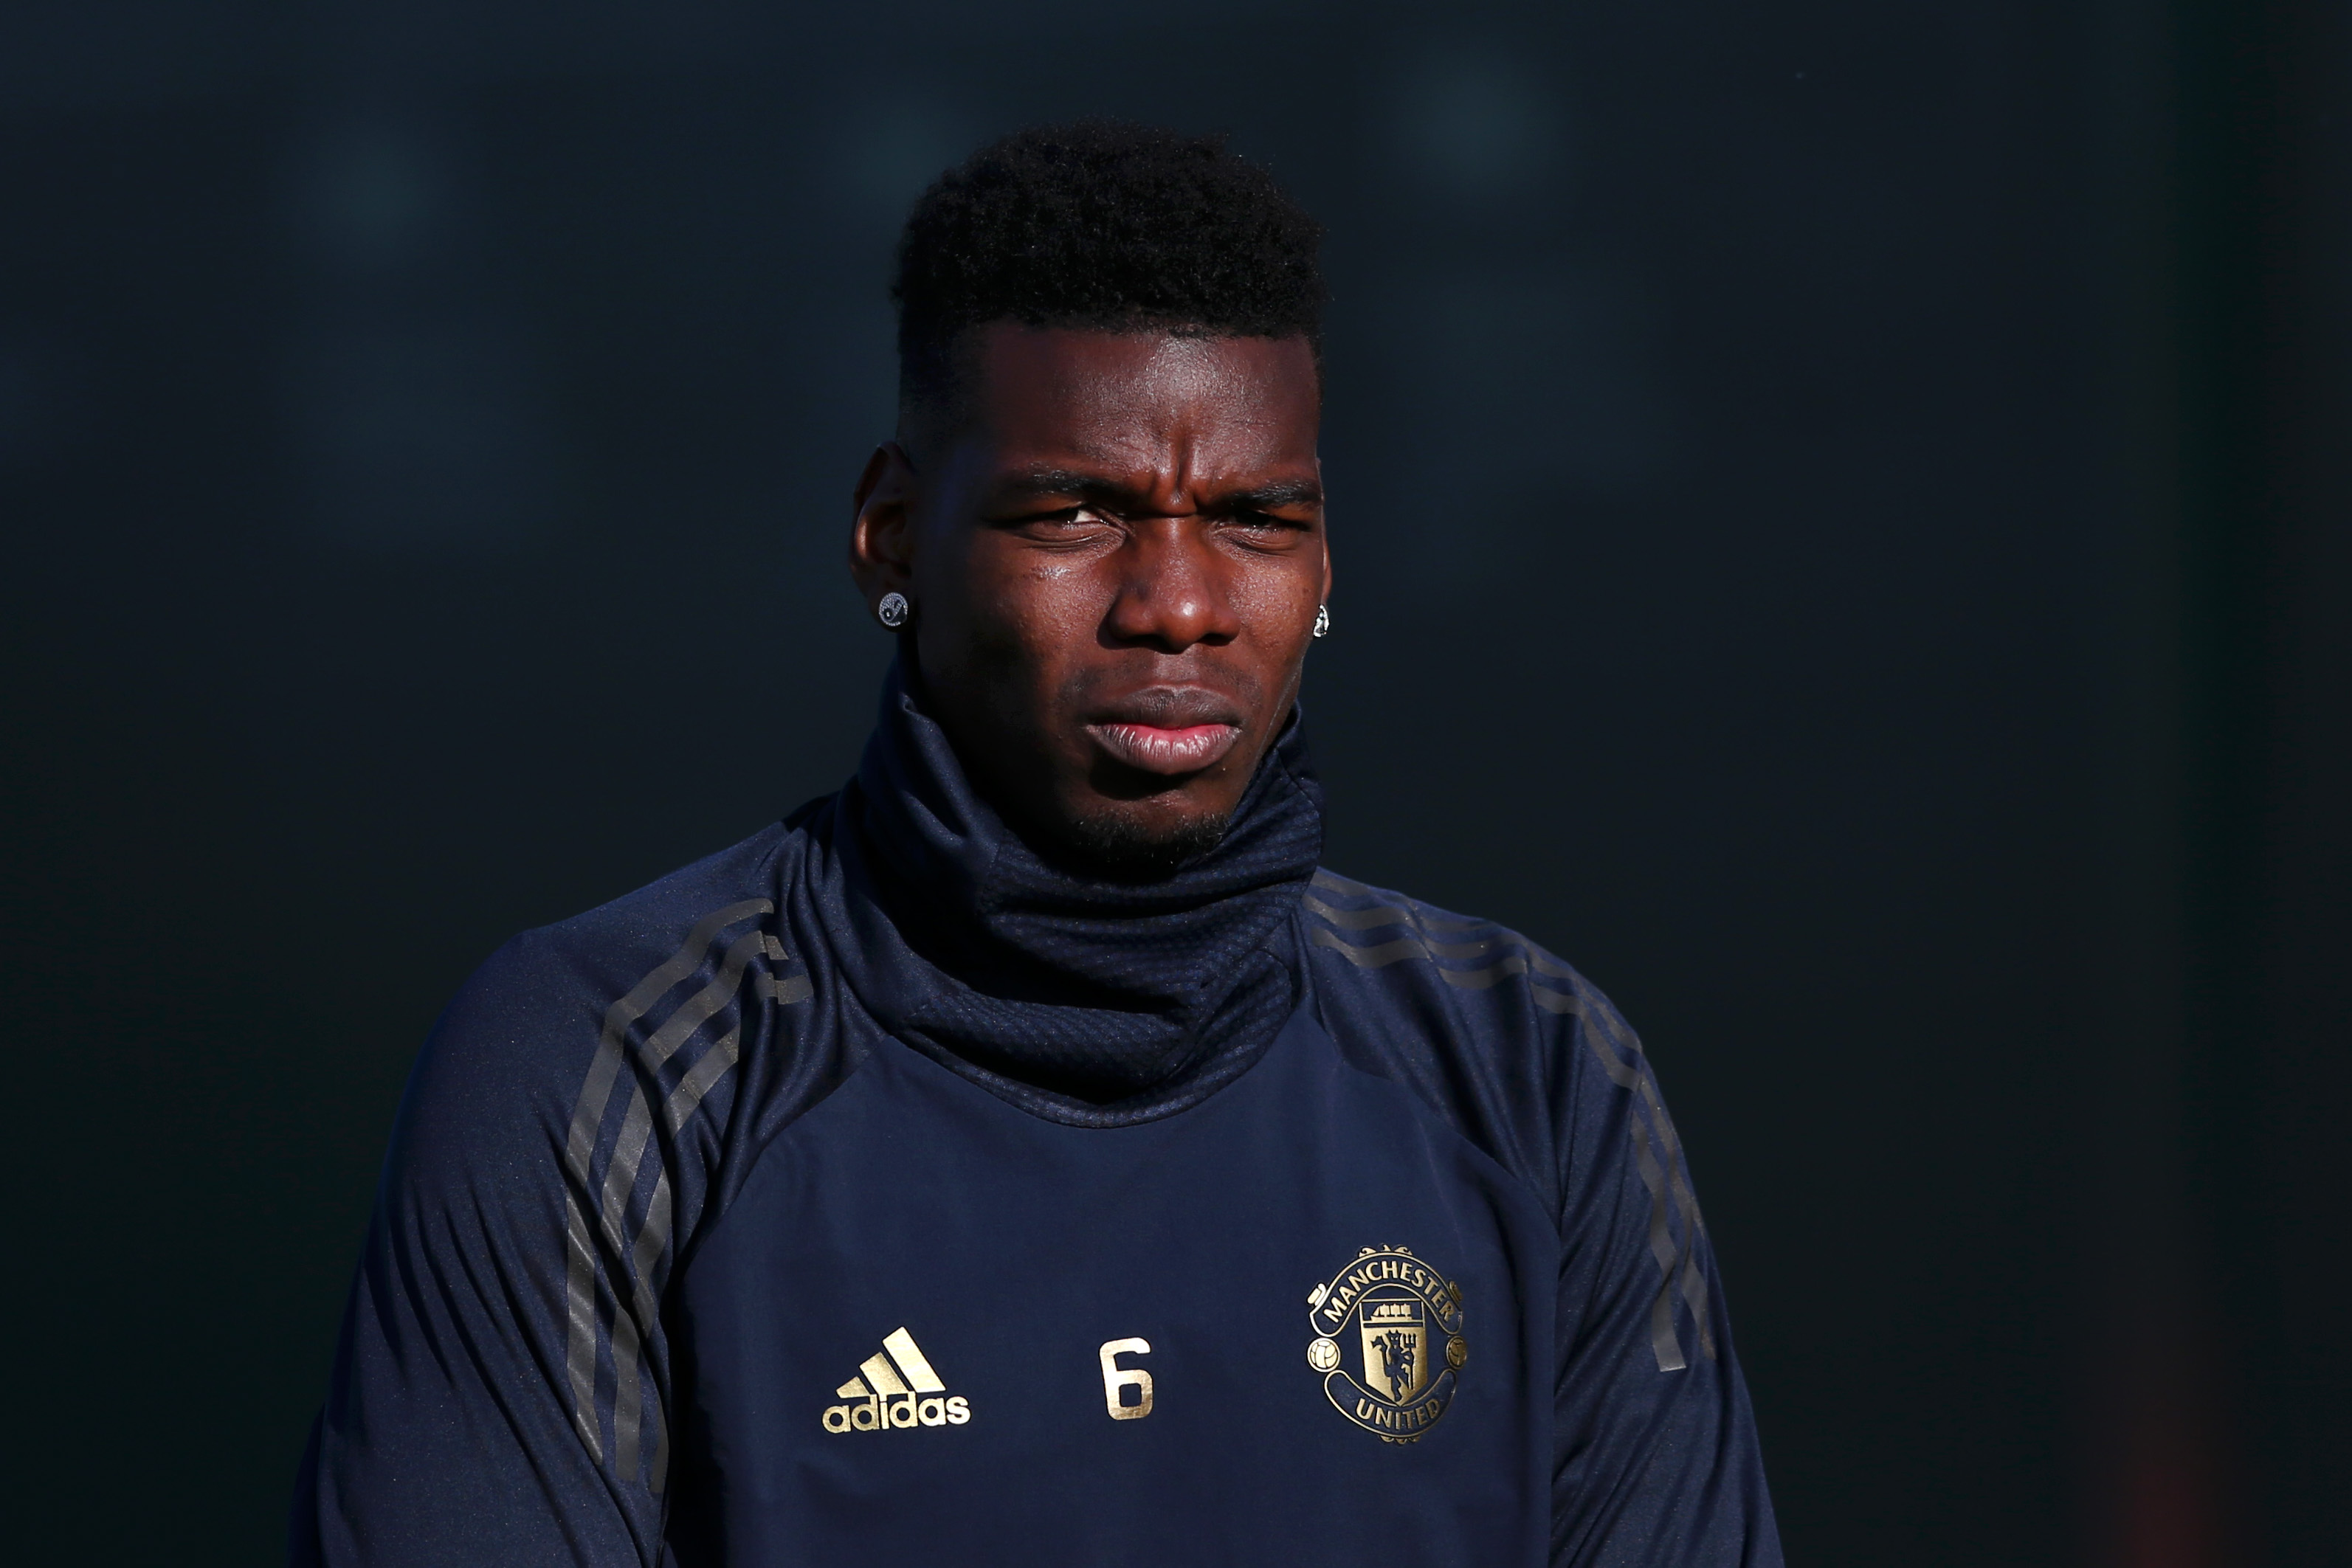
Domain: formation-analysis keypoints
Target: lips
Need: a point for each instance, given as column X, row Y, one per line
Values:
column 1162, row 748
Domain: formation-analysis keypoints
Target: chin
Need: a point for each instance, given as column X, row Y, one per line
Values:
column 1121, row 847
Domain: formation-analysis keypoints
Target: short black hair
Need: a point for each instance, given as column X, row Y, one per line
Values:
column 1106, row 226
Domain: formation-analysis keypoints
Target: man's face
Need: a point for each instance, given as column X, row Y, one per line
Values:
column 1115, row 562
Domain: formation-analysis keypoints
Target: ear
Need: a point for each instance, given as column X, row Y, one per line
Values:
column 1324, row 538
column 882, row 539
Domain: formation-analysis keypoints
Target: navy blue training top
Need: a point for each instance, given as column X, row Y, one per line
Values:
column 685, row 1254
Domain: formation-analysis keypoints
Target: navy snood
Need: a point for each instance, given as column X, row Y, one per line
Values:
column 1094, row 1002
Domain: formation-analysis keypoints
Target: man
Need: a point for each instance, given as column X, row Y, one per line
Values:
column 1028, row 1155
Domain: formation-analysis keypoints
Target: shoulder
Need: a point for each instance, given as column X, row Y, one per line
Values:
column 1482, row 976
column 713, row 902
column 525, row 1025
column 1494, row 1034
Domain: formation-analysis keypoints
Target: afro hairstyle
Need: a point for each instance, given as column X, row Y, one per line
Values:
column 1105, row 225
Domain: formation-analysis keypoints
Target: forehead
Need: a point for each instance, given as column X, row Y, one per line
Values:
column 1062, row 394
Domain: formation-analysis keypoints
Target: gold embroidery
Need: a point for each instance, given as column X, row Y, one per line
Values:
column 888, row 1394
column 1398, row 1306
column 1118, row 1379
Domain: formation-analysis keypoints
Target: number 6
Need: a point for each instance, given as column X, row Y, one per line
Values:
column 1117, row 1377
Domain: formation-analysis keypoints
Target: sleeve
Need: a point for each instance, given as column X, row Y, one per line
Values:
column 1655, row 1459
column 464, row 1424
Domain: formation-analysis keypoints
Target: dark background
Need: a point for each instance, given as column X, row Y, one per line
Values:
column 1840, row 515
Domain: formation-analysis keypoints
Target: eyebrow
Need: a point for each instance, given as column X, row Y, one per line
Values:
column 1034, row 482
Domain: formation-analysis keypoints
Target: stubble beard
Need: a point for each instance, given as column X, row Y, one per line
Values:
column 1116, row 847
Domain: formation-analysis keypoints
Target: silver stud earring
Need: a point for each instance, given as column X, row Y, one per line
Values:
column 894, row 609
column 1322, row 620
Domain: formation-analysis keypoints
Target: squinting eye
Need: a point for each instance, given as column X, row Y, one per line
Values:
column 1079, row 525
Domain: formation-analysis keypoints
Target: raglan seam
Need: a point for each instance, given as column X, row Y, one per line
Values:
column 711, row 982
column 1654, row 1147
column 1421, row 1102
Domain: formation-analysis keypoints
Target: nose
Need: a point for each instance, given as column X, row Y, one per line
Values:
column 1172, row 590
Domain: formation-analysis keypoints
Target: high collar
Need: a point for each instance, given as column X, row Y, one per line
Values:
column 1100, row 1001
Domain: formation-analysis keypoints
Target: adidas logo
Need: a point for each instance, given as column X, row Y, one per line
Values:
column 896, row 1388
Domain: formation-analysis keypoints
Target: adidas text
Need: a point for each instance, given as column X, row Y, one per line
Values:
column 896, row 1388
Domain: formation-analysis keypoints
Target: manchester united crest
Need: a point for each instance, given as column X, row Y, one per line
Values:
column 1388, row 1341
